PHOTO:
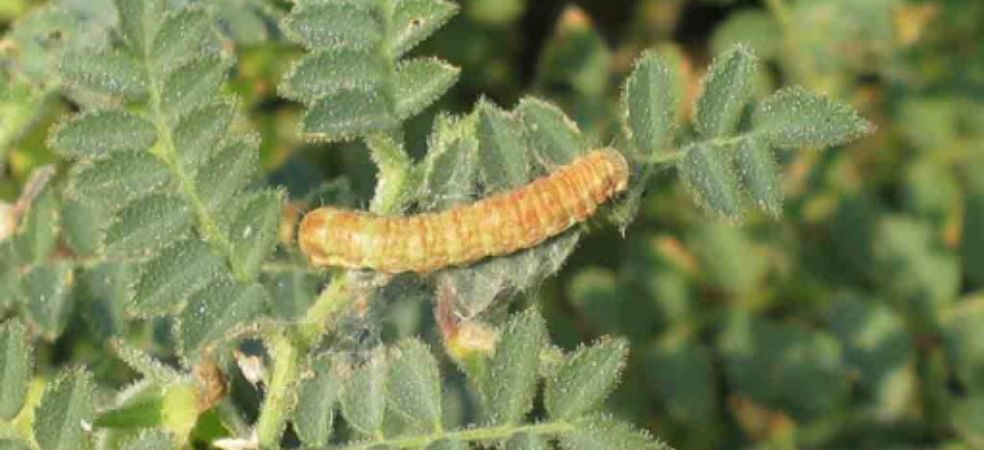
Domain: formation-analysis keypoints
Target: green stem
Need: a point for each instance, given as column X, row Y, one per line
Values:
column 468, row 435
column 280, row 399
column 675, row 157
column 330, row 302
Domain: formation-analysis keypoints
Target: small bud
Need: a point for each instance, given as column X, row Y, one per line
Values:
column 471, row 340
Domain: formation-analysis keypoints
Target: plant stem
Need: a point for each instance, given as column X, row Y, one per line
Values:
column 280, row 393
column 467, row 435
column 330, row 302
column 677, row 156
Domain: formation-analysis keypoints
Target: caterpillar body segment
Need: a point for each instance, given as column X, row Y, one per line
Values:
column 498, row 225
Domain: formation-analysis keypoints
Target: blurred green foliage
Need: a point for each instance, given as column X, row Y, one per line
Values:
column 852, row 321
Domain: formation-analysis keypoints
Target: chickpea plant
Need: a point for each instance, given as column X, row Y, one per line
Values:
column 157, row 219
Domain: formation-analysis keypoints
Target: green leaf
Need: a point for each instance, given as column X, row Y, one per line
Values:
column 727, row 88
column 197, row 134
column 329, row 71
column 111, row 73
column 65, row 409
column 552, row 135
column 116, row 180
column 166, row 282
column 501, row 148
column 104, row 291
column 150, row 440
column 415, row 20
column 140, row 20
column 414, row 384
column 320, row 25
column 181, row 37
column 214, row 313
column 103, row 132
column 707, row 170
column 604, row 433
column 448, row 171
column 16, row 364
column 364, row 397
column 650, row 100
column 149, row 224
column 793, row 117
column 48, row 295
column 146, row 365
column 253, row 231
column 419, row 82
column 228, row 172
column 585, row 379
column 193, row 85
column 510, row 383
column 527, row 441
column 38, row 234
column 349, row 113
column 316, row 401
column 759, row 173
column 83, row 227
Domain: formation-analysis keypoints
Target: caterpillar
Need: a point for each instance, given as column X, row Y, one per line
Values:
column 497, row 225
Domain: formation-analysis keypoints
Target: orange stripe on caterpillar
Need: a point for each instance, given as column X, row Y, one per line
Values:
column 498, row 225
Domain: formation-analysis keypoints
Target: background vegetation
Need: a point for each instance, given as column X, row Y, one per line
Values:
column 852, row 321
